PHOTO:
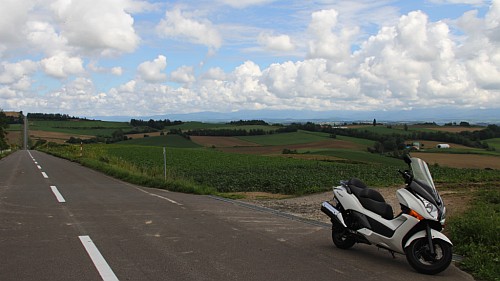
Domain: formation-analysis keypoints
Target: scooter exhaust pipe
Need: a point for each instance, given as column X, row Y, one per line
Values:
column 332, row 212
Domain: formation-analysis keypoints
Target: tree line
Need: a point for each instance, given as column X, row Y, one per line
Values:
column 3, row 127
column 155, row 124
column 50, row 117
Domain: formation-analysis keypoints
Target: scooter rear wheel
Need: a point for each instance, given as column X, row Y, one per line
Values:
column 341, row 237
column 419, row 257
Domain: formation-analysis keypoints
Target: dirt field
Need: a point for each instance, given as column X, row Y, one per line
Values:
column 14, row 137
column 460, row 160
column 455, row 129
column 54, row 136
column 278, row 149
column 433, row 144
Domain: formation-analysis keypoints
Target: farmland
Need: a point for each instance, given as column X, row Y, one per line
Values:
column 314, row 161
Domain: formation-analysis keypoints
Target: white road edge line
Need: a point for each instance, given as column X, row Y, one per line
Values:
column 159, row 196
column 58, row 195
column 100, row 263
column 45, row 175
column 165, row 198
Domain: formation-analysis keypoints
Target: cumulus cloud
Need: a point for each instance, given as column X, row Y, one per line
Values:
column 153, row 71
column 117, row 70
column 276, row 43
column 329, row 40
column 180, row 25
column 62, row 65
column 13, row 15
column 245, row 3
column 184, row 74
column 101, row 26
column 13, row 72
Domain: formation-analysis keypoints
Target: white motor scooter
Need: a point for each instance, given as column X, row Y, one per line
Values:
column 361, row 215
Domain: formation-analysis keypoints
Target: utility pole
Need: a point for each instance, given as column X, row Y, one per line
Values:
column 25, row 140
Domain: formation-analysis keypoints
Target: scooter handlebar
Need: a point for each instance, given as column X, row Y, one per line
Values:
column 408, row 177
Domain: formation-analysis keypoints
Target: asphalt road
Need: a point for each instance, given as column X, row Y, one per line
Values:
column 62, row 221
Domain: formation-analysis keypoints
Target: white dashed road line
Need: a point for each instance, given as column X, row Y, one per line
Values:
column 45, row 175
column 58, row 195
column 100, row 263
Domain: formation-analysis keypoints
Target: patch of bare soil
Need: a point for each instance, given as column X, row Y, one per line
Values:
column 456, row 129
column 308, row 206
column 55, row 136
column 473, row 161
column 277, row 149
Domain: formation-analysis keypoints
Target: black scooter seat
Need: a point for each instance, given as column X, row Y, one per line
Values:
column 370, row 198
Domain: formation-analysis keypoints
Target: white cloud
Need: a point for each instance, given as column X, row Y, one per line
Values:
column 153, row 71
column 245, row 3
column 43, row 37
column 276, row 43
column 13, row 16
column 179, row 25
column 101, row 26
column 62, row 65
column 329, row 40
column 118, row 71
column 184, row 74
column 129, row 86
column 13, row 72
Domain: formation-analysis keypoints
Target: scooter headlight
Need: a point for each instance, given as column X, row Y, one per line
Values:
column 430, row 208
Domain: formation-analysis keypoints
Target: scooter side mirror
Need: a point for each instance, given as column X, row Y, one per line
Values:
column 407, row 159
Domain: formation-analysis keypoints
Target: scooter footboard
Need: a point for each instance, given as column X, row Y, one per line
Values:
column 332, row 212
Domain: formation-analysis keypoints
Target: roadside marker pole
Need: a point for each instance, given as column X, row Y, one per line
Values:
column 165, row 163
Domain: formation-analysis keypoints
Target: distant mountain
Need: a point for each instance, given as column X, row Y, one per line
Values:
column 438, row 115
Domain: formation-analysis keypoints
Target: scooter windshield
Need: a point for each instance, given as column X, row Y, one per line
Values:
column 423, row 177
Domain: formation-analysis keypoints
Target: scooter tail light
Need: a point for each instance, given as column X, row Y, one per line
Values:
column 415, row 215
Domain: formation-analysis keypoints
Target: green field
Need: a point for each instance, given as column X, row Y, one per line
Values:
column 228, row 172
column 358, row 156
column 162, row 141
column 90, row 128
column 495, row 143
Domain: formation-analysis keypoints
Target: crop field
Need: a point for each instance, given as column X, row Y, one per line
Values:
column 56, row 137
column 230, row 172
column 208, row 141
column 495, row 143
column 299, row 137
column 88, row 128
column 162, row 141
column 301, row 147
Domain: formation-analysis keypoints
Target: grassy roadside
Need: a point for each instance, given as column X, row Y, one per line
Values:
column 476, row 235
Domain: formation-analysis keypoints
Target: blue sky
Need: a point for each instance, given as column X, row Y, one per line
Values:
column 143, row 58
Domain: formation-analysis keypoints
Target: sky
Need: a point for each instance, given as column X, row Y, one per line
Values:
column 144, row 58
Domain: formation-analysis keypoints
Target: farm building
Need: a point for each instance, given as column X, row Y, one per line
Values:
column 443, row 145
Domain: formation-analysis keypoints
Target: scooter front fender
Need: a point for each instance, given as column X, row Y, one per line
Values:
column 422, row 234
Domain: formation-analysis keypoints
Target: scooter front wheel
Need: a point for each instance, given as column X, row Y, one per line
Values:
column 341, row 237
column 420, row 258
